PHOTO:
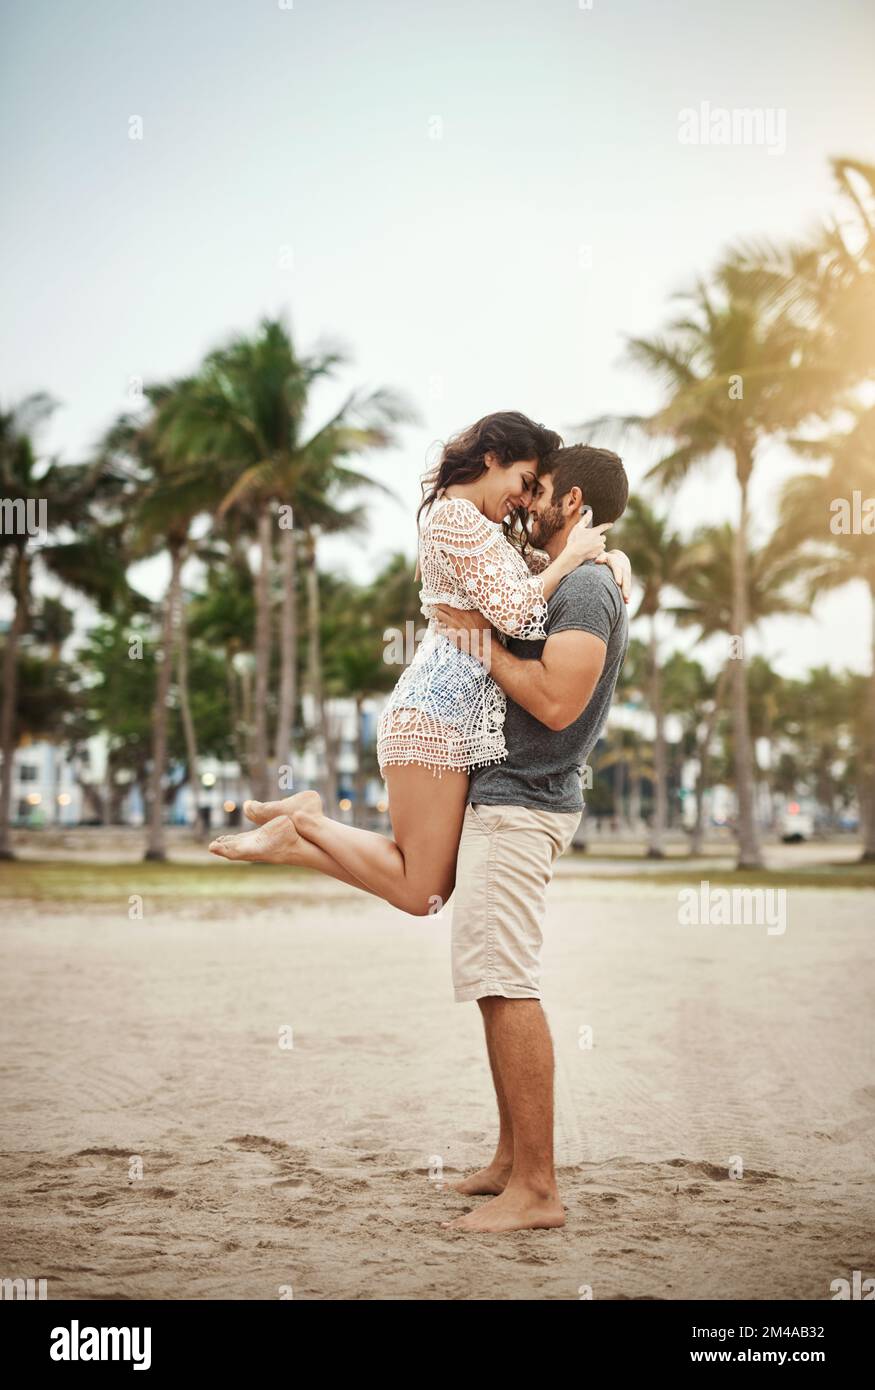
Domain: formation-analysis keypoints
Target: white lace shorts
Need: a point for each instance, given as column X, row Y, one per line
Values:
column 444, row 713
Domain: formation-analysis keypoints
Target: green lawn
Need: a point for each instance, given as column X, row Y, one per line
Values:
column 75, row 881
column 78, row 881
column 725, row 874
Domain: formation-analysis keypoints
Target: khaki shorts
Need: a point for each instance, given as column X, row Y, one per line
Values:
column 505, row 863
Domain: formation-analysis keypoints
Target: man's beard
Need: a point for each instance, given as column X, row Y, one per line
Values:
column 544, row 525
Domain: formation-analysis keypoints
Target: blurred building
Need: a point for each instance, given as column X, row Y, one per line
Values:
column 44, row 786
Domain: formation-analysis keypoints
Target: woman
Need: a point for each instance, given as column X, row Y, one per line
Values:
column 445, row 714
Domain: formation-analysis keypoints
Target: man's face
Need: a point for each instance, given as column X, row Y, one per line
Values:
column 545, row 517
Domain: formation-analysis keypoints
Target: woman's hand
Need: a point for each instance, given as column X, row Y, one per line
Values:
column 585, row 542
column 620, row 567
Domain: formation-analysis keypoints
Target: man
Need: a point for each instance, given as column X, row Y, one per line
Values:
column 521, row 815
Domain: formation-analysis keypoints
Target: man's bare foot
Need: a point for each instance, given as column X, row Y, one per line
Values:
column 263, row 811
column 488, row 1182
column 517, row 1209
column 273, row 843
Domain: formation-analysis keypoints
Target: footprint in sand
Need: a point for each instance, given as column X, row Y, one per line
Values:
column 865, row 1098
column 293, row 1187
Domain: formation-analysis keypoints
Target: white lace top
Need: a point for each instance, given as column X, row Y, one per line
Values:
column 446, row 711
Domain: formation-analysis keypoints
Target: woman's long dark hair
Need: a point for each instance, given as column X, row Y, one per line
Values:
column 509, row 435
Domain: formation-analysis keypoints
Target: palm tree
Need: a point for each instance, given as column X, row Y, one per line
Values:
column 353, row 667
column 396, row 595
column 116, row 698
column 166, row 512
column 183, row 686
column 694, row 698
column 356, row 622
column 243, row 418
column 828, row 283
column 319, row 478
column 817, row 511
column 816, row 720
column 736, row 367
column 322, row 479
column 628, row 754
column 52, row 624
column 165, row 501
column 223, row 616
column 655, row 552
column 70, row 547
column 704, row 578
column 768, row 692
column 235, row 414
column 630, row 695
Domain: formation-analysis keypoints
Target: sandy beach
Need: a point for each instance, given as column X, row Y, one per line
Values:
column 291, row 1077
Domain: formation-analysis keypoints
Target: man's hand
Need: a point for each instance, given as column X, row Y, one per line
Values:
column 466, row 629
column 554, row 688
column 462, row 618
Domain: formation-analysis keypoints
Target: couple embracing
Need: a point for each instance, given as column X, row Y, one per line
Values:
column 481, row 745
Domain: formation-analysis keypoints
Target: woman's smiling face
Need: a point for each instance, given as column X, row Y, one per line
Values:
column 510, row 487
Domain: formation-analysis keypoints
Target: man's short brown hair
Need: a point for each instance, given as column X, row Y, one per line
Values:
column 598, row 473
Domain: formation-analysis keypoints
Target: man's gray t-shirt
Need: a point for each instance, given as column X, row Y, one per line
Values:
column 542, row 768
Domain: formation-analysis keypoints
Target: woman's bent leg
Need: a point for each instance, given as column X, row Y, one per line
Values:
column 416, row 871
column 278, row 842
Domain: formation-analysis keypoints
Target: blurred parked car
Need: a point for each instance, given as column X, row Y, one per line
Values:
column 796, row 825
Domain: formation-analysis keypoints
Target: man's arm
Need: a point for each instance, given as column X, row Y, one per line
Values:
column 555, row 688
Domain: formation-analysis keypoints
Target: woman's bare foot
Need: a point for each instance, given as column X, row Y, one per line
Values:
column 262, row 811
column 488, row 1182
column 273, row 843
column 517, row 1209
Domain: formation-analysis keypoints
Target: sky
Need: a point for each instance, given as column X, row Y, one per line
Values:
column 480, row 200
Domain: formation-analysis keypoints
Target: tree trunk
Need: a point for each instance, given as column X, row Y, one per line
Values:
column 116, row 795
column 288, row 650
column 619, row 792
column 660, row 799
column 185, row 704
column 635, row 799
column 143, row 786
column 768, row 779
column 94, row 798
column 749, row 853
column 360, row 810
column 246, row 717
column 263, row 785
column 155, row 848
column 7, row 714
column 328, row 778
column 332, row 788
column 106, row 788
column 867, row 793
column 238, row 723
column 703, row 777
